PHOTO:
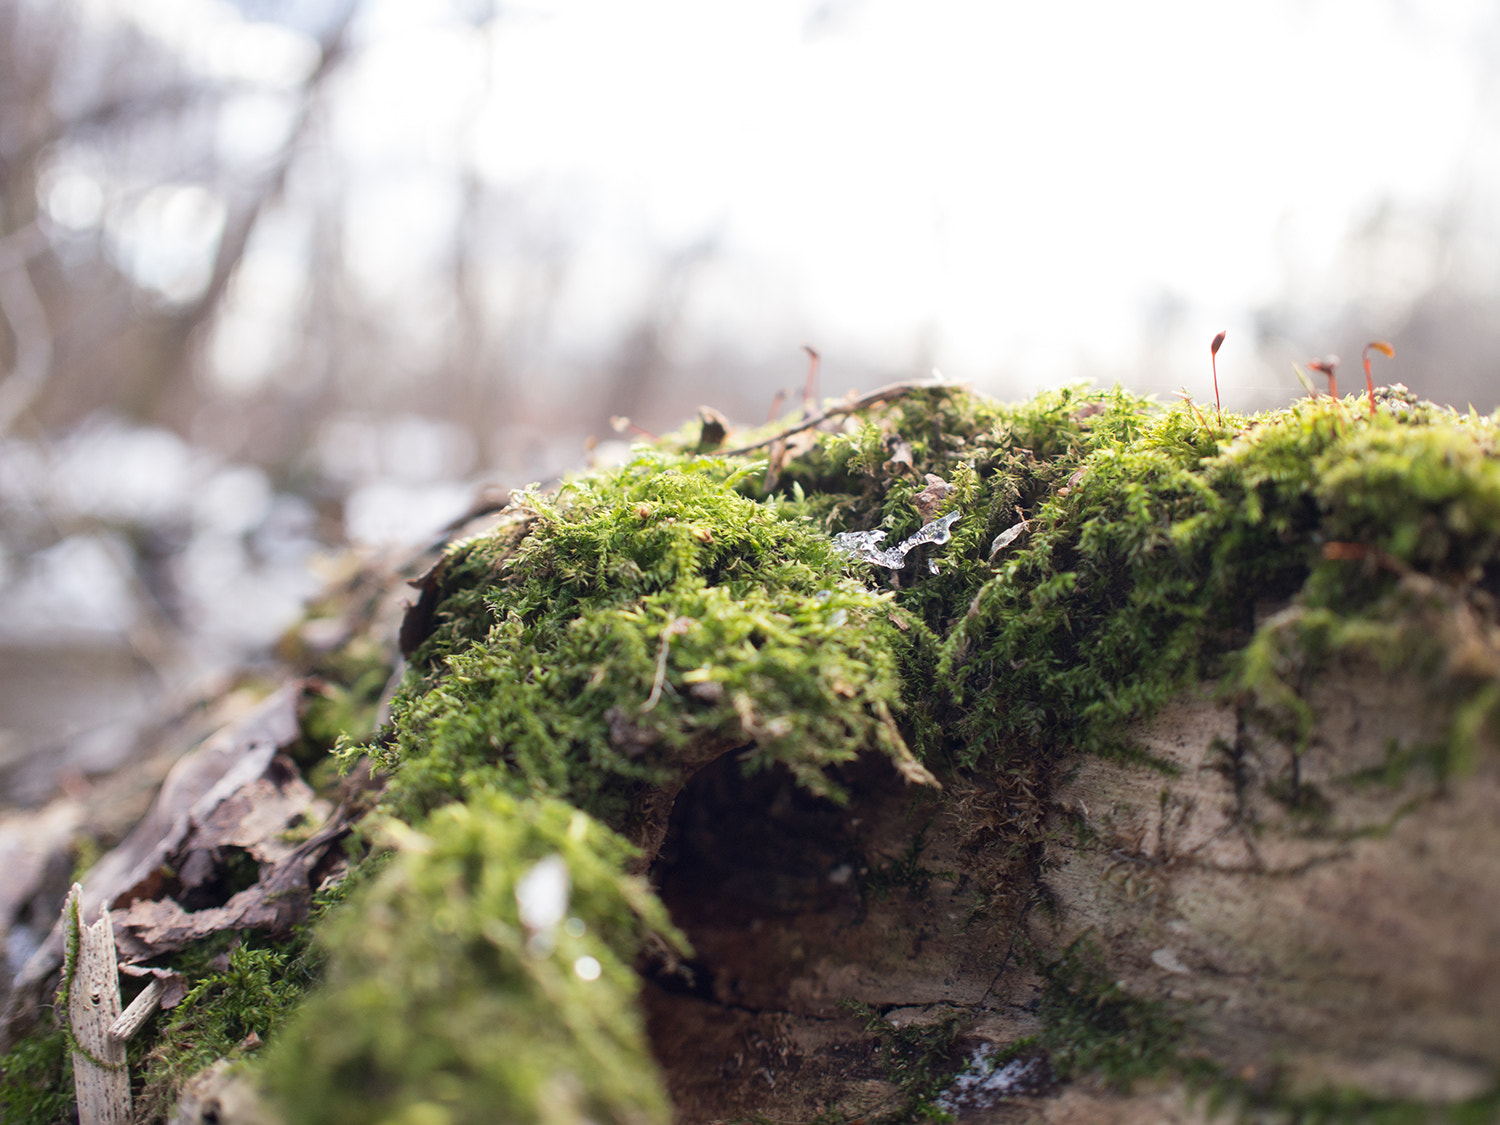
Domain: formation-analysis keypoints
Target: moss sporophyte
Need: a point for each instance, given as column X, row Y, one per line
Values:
column 1068, row 565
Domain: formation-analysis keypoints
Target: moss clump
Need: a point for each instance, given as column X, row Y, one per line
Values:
column 36, row 1080
column 1148, row 545
column 651, row 619
column 442, row 1004
column 228, row 1009
column 607, row 641
column 921, row 1059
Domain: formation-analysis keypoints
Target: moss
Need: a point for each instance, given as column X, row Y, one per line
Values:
column 235, row 1000
column 606, row 641
column 905, row 871
column 442, row 1004
column 349, row 684
column 1093, row 1026
column 919, row 1059
column 571, row 669
column 1352, row 1107
column 36, row 1079
column 651, row 620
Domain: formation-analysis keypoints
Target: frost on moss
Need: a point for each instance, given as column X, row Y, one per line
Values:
column 444, row 1002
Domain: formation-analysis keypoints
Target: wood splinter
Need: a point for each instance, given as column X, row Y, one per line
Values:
column 139, row 1011
column 92, row 979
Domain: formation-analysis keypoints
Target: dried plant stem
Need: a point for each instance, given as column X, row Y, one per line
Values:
column 678, row 626
column 139, row 1012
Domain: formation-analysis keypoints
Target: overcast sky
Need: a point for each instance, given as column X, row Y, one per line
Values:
column 1019, row 193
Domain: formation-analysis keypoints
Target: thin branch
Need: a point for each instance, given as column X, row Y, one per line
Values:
column 882, row 394
column 333, row 49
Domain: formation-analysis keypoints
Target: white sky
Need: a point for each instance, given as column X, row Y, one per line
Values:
column 1003, row 188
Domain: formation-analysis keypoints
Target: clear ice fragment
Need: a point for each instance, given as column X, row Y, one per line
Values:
column 865, row 545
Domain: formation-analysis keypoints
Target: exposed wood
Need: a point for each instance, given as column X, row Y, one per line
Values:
column 1346, row 939
column 140, row 1010
column 100, row 1076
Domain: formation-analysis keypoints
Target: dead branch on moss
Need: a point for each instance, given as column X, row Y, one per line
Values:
column 886, row 393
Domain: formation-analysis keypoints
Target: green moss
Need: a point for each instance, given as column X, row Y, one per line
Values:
column 441, row 1005
column 920, row 1059
column 350, row 683
column 36, row 1079
column 235, row 1000
column 1352, row 1107
column 905, row 871
column 1090, row 1025
column 652, row 619
column 580, row 662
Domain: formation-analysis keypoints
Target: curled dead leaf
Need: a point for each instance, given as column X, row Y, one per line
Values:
column 1007, row 537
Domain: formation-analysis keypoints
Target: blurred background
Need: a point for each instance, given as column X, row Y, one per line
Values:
column 278, row 276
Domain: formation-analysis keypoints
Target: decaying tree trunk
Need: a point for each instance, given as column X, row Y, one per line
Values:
column 1205, row 825
column 1348, row 939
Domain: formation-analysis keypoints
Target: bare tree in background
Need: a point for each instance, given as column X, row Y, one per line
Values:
column 159, row 508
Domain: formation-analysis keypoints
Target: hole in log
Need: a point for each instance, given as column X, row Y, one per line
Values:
column 797, row 909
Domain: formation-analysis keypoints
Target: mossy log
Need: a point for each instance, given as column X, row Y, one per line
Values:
column 1152, row 776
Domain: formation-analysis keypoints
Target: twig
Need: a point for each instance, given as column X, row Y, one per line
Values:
column 140, row 1010
column 882, row 394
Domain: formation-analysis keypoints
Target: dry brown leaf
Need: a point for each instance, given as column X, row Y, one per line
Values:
column 219, row 768
column 930, row 499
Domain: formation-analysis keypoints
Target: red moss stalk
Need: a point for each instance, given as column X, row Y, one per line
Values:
column 1328, row 365
column 1213, row 355
column 1384, row 349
